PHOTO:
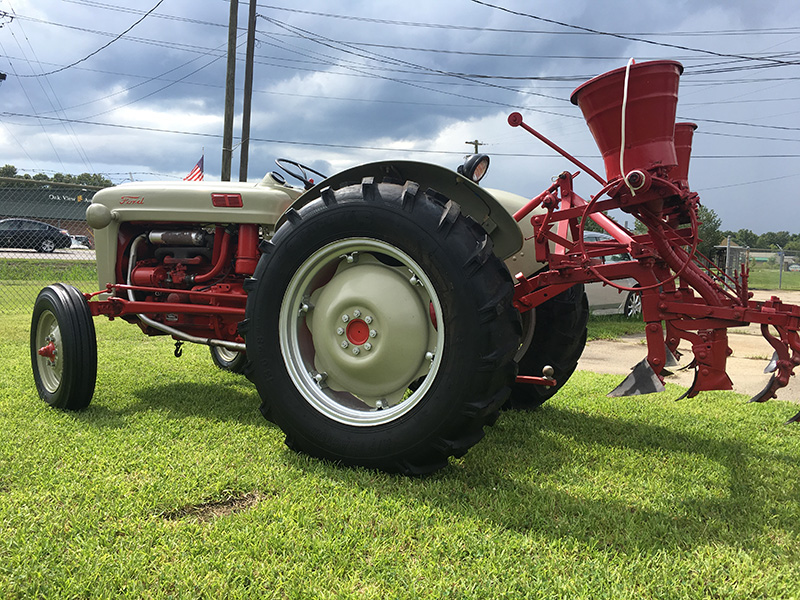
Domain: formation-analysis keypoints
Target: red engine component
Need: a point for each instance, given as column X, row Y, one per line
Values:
column 186, row 283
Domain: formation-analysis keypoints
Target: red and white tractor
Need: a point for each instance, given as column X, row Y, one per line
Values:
column 387, row 313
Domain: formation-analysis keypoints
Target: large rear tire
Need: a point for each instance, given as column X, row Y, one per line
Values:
column 380, row 328
column 63, row 347
column 555, row 333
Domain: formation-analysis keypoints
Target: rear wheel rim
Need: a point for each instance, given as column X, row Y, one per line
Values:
column 50, row 366
column 226, row 355
column 336, row 328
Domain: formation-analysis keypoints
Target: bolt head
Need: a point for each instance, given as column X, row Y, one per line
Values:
column 356, row 351
column 340, row 331
column 373, row 333
column 367, row 346
column 345, row 318
column 356, row 313
column 345, row 344
column 368, row 319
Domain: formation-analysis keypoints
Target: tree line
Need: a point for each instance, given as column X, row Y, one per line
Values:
column 773, row 240
column 93, row 179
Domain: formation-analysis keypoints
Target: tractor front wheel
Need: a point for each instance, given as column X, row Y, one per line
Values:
column 381, row 329
column 63, row 347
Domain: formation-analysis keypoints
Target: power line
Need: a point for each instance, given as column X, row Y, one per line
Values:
column 628, row 38
column 52, row 97
column 353, row 146
column 481, row 28
column 103, row 47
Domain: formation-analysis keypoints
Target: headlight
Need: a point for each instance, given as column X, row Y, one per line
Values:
column 475, row 167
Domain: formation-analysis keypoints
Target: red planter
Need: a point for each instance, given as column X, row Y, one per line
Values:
column 649, row 115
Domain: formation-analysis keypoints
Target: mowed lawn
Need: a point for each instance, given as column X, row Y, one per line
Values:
column 172, row 485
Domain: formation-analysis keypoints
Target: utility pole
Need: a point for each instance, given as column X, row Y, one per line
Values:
column 475, row 143
column 244, row 152
column 230, row 81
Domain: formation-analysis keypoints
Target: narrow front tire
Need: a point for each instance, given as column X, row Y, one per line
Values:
column 63, row 347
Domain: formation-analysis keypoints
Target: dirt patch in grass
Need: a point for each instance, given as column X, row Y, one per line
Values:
column 208, row 511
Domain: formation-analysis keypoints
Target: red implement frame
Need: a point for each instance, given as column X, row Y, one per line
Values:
column 682, row 298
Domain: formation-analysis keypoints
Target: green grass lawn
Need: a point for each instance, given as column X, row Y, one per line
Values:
column 611, row 327
column 768, row 279
column 21, row 279
column 172, row 485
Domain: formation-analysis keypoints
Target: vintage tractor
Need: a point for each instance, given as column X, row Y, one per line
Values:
column 387, row 313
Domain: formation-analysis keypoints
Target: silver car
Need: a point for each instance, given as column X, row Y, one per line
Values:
column 606, row 299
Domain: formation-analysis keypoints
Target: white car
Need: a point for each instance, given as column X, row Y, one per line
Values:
column 606, row 299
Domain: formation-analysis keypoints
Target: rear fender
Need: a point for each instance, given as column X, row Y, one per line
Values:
column 475, row 201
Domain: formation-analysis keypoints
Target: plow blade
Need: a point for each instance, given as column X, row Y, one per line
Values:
column 671, row 360
column 641, row 380
column 767, row 393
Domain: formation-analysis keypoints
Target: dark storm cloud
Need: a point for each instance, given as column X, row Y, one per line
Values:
column 380, row 78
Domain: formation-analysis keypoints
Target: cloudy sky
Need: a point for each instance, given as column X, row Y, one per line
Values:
column 340, row 83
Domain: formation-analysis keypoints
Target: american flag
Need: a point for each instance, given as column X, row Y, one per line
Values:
column 196, row 174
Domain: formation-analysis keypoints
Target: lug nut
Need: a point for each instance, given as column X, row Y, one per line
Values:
column 340, row 331
column 367, row 346
column 345, row 318
column 356, row 351
column 345, row 344
column 373, row 333
column 368, row 319
column 356, row 313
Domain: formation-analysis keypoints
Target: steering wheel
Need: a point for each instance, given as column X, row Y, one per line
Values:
column 308, row 183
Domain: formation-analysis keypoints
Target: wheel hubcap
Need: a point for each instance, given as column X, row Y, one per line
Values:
column 356, row 331
column 49, row 356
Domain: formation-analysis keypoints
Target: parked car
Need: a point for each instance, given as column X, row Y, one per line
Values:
column 606, row 298
column 82, row 241
column 27, row 233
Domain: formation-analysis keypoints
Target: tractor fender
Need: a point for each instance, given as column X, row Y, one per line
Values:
column 475, row 201
column 524, row 259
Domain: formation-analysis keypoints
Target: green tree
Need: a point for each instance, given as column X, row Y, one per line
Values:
column 8, row 171
column 773, row 239
column 793, row 244
column 708, row 230
column 743, row 237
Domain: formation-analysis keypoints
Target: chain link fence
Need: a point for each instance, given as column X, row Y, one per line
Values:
column 770, row 268
column 44, row 238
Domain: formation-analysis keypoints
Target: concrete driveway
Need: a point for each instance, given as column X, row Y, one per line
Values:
column 751, row 353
